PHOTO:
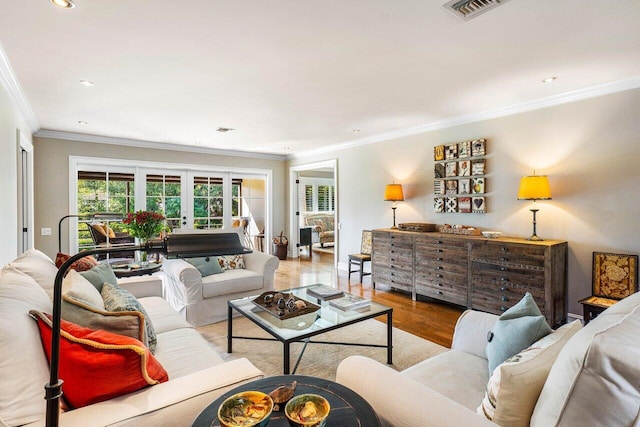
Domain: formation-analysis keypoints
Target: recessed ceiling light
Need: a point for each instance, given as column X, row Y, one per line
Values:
column 549, row 79
column 82, row 122
column 355, row 130
column 221, row 129
column 87, row 83
column 65, row 4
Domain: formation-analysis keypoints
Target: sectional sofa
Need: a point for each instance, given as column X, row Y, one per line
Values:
column 196, row 372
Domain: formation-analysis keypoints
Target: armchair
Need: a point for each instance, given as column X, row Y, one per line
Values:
column 100, row 233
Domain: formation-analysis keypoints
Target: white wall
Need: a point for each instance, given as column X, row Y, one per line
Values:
column 10, row 123
column 590, row 149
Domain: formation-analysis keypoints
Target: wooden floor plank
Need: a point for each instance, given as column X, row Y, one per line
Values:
column 431, row 320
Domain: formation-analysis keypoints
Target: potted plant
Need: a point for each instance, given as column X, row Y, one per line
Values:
column 144, row 225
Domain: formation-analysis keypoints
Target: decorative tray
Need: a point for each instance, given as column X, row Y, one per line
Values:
column 417, row 226
column 469, row 231
column 292, row 309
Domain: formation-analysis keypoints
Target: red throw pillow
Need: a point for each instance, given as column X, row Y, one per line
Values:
column 83, row 264
column 99, row 365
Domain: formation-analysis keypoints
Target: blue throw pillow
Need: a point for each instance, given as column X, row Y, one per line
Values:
column 119, row 299
column 99, row 275
column 517, row 328
column 206, row 265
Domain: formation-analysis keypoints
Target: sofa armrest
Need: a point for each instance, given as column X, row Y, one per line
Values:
column 163, row 395
column 401, row 401
column 470, row 334
column 142, row 286
column 261, row 262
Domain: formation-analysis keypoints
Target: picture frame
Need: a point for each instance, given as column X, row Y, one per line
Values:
column 464, row 186
column 438, row 204
column 451, row 186
column 438, row 187
column 477, row 185
column 478, row 205
column 477, row 167
column 614, row 276
column 451, row 204
column 478, row 147
column 464, row 168
column 451, row 169
column 464, row 149
column 451, row 152
column 438, row 153
column 464, row 204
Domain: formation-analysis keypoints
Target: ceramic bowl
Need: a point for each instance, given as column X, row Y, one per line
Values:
column 492, row 234
column 307, row 410
column 246, row 409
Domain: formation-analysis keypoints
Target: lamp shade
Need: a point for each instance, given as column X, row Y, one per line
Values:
column 534, row 187
column 393, row 193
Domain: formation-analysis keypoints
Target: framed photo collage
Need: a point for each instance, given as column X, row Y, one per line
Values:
column 460, row 183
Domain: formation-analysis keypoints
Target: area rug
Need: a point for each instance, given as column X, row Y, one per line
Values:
column 320, row 360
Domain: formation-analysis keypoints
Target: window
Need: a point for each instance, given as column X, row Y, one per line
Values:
column 163, row 194
column 316, row 195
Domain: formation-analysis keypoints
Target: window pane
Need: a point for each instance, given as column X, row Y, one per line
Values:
column 200, row 190
column 200, row 208
column 172, row 207
column 215, row 190
column 216, row 207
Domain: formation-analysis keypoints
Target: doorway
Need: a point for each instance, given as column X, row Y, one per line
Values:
column 314, row 202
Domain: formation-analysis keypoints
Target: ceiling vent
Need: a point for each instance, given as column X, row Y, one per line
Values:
column 225, row 129
column 469, row 9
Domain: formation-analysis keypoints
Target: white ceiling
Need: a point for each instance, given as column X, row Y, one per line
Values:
column 295, row 76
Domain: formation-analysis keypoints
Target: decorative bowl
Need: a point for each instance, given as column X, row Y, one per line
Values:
column 492, row 234
column 307, row 410
column 246, row 409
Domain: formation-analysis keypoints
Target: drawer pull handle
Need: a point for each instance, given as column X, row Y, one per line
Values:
column 439, row 242
column 504, row 279
column 440, row 251
column 439, row 267
column 440, row 293
column 503, row 288
column 504, row 259
column 440, row 284
column 439, row 276
column 503, row 308
column 505, row 249
column 503, row 269
column 438, row 259
column 504, row 299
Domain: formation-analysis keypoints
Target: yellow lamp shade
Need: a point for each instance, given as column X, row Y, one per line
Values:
column 534, row 187
column 393, row 193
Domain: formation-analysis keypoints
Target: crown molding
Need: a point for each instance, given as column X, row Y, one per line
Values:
column 550, row 101
column 72, row 136
column 11, row 85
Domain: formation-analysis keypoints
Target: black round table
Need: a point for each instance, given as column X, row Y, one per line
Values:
column 127, row 271
column 348, row 409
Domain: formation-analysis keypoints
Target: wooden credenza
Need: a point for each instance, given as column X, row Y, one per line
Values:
column 479, row 273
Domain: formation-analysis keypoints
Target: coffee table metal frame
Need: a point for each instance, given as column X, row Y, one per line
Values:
column 324, row 320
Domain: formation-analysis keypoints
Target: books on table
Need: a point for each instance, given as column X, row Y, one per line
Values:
column 324, row 292
column 350, row 302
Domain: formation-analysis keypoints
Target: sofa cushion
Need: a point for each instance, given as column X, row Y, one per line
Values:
column 164, row 317
column 595, row 378
column 23, row 366
column 79, row 288
column 516, row 329
column 120, row 299
column 39, row 266
column 231, row 282
column 206, row 265
column 99, row 365
column 231, row 262
column 83, row 264
column 464, row 384
column 514, row 387
column 184, row 351
column 99, row 275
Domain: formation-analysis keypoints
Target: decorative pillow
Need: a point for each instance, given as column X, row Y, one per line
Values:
column 514, row 387
column 99, row 275
column 206, row 265
column 99, row 365
column 23, row 367
column 516, row 329
column 320, row 227
column 231, row 262
column 119, row 299
column 76, row 286
column 99, row 228
column 128, row 323
column 39, row 266
column 83, row 264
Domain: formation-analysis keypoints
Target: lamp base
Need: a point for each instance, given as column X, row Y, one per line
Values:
column 535, row 238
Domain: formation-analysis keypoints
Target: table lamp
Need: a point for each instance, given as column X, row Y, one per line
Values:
column 393, row 193
column 173, row 246
column 534, row 187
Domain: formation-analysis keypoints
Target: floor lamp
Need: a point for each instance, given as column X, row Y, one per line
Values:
column 105, row 216
column 173, row 246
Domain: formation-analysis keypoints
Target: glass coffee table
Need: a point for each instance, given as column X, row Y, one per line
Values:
column 301, row 328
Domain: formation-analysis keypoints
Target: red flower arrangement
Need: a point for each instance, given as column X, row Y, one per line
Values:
column 144, row 224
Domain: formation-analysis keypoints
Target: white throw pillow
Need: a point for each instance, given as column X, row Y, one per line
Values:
column 39, row 266
column 76, row 286
column 24, row 369
column 515, row 385
column 595, row 378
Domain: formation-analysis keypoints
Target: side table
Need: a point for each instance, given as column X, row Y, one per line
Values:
column 594, row 305
column 128, row 271
column 347, row 407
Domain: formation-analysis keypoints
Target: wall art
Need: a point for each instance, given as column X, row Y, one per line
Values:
column 463, row 164
column 614, row 275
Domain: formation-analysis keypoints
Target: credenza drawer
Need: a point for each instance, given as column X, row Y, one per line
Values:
column 508, row 254
column 443, row 291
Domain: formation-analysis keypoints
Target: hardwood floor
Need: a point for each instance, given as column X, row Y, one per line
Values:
column 433, row 321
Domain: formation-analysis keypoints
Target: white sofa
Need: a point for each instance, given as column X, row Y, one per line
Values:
column 203, row 300
column 197, row 373
column 593, row 381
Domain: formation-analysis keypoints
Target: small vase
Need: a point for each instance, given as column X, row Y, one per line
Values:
column 144, row 262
